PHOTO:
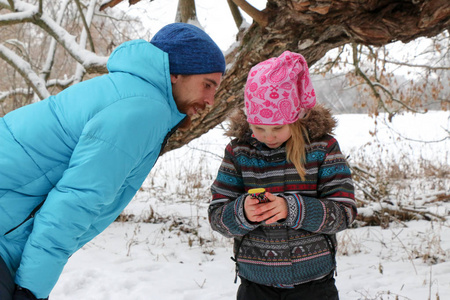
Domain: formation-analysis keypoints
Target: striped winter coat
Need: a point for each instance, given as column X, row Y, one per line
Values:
column 302, row 247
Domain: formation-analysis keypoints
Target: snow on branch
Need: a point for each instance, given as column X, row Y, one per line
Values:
column 46, row 69
column 92, row 62
column 18, row 91
column 15, row 18
column 61, row 83
column 85, row 34
column 24, row 68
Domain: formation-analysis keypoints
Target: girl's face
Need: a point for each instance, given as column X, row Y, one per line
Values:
column 271, row 135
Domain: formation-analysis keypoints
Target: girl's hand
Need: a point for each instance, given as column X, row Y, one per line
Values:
column 274, row 210
column 250, row 206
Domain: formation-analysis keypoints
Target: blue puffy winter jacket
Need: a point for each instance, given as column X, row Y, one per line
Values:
column 85, row 151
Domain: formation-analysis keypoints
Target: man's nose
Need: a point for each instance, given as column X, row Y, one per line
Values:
column 209, row 100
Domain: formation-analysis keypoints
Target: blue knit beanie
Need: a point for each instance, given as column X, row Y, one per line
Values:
column 190, row 49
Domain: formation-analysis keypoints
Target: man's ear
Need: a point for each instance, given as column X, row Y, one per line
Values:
column 173, row 78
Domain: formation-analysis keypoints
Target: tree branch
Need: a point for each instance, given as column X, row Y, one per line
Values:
column 47, row 67
column 11, row 4
column 110, row 3
column 237, row 17
column 373, row 85
column 258, row 16
column 86, row 26
column 80, row 71
column 24, row 68
column 90, row 61
column 406, row 64
column 330, row 64
column 186, row 11
column 60, row 84
column 17, row 18
column 18, row 91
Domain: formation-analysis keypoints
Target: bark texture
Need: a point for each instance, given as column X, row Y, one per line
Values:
column 312, row 28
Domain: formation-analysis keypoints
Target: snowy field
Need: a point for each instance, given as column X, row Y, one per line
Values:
column 166, row 250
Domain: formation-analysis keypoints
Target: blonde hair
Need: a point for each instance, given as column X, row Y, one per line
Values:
column 296, row 146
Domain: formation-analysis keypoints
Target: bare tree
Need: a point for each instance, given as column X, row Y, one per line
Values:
column 309, row 27
column 389, row 83
column 53, row 45
column 313, row 28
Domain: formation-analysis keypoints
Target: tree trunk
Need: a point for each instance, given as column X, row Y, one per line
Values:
column 312, row 28
column 186, row 11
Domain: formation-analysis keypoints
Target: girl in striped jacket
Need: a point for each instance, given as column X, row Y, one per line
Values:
column 284, row 248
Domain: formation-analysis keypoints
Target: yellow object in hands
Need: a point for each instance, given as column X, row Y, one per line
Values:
column 256, row 191
column 259, row 193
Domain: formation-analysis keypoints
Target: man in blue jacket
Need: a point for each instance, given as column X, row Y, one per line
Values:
column 71, row 163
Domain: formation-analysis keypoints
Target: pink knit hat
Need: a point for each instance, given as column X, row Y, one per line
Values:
column 279, row 90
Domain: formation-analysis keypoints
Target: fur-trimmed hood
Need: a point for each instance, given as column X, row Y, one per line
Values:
column 319, row 122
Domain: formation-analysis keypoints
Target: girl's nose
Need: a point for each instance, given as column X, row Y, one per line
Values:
column 270, row 137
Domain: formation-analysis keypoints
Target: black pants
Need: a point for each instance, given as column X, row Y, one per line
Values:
column 322, row 289
column 6, row 282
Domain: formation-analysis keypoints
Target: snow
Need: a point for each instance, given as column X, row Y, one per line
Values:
column 25, row 68
column 168, row 251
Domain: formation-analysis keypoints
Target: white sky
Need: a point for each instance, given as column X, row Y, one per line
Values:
column 213, row 15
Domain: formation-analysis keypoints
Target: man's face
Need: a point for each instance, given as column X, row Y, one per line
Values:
column 193, row 92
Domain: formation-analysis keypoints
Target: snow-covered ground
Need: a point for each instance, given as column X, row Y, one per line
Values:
column 168, row 251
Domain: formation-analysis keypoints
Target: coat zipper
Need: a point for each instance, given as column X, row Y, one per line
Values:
column 31, row 215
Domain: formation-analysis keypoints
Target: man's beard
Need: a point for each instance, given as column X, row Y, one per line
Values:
column 186, row 124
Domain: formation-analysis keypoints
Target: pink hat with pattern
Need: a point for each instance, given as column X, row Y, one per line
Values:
column 279, row 90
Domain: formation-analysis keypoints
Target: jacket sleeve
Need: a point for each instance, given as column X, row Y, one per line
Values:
column 226, row 210
column 112, row 144
column 334, row 209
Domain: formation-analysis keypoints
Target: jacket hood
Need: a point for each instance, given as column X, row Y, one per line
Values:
column 142, row 59
column 319, row 122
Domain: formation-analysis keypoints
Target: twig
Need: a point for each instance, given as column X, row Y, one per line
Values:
column 18, row 91
column 85, row 24
column 258, row 16
column 373, row 85
column 202, row 285
column 110, row 3
column 24, row 68
column 47, row 67
column 406, row 250
column 27, row 13
column 206, row 151
column 11, row 4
